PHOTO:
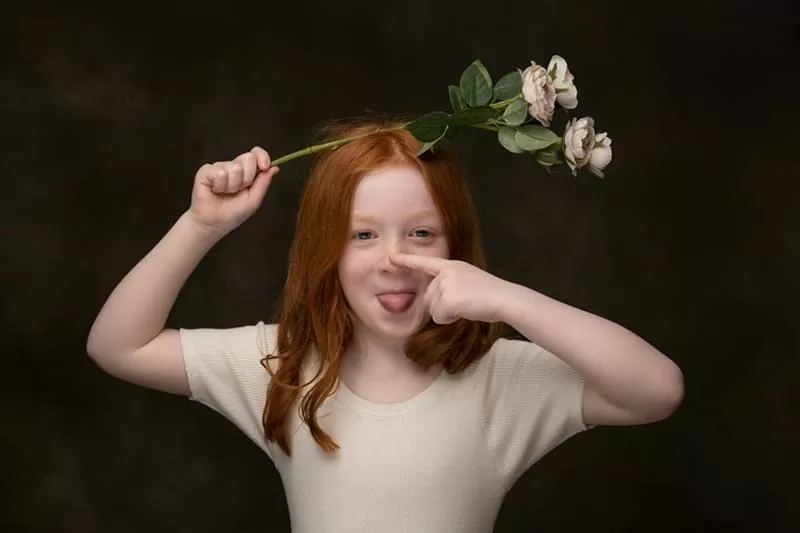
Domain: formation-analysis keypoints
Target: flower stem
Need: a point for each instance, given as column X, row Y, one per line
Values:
column 330, row 145
column 503, row 103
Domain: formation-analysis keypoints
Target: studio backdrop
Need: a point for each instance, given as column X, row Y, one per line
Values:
column 690, row 239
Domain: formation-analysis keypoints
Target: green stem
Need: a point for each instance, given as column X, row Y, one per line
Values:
column 329, row 145
column 501, row 104
column 339, row 142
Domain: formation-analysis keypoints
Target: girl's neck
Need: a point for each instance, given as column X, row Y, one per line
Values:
column 379, row 360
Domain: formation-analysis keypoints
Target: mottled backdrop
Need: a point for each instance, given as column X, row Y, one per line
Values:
column 107, row 110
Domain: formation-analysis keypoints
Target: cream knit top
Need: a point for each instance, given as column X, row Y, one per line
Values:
column 440, row 462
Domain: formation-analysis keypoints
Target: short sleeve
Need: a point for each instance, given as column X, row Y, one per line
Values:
column 225, row 373
column 529, row 401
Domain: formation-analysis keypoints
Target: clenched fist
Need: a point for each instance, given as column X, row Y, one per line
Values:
column 227, row 193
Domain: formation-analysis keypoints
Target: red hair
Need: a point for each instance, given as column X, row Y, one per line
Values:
column 314, row 311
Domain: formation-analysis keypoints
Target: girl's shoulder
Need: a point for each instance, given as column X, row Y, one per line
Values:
column 505, row 351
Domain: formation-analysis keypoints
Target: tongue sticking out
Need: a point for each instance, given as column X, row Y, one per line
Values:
column 398, row 302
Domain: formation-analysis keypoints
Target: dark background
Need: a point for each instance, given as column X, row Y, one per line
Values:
column 691, row 240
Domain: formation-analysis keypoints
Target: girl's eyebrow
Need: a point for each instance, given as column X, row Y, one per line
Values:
column 364, row 217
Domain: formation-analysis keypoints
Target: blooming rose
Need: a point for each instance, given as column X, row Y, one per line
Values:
column 540, row 93
column 563, row 82
column 600, row 156
column 579, row 140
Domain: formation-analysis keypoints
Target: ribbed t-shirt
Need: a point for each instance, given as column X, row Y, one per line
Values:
column 440, row 462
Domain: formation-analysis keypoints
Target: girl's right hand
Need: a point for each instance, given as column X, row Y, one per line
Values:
column 227, row 193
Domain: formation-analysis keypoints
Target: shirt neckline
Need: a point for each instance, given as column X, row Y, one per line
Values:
column 351, row 401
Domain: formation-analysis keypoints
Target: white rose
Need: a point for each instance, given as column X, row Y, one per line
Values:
column 563, row 82
column 579, row 140
column 539, row 92
column 600, row 156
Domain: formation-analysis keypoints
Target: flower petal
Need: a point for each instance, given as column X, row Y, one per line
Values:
column 539, row 93
column 600, row 157
column 568, row 99
column 560, row 65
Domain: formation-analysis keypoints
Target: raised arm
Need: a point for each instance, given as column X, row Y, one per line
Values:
column 128, row 339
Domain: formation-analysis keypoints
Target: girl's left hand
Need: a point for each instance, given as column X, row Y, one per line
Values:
column 458, row 289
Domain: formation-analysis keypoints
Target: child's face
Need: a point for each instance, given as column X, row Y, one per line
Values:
column 392, row 212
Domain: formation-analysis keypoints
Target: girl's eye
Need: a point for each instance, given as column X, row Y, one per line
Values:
column 364, row 235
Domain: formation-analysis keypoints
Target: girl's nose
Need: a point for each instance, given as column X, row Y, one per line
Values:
column 386, row 263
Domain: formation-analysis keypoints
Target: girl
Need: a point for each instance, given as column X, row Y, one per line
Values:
column 385, row 392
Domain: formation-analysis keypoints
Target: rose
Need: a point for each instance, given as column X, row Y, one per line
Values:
column 600, row 156
column 563, row 82
column 542, row 88
column 578, row 142
column 539, row 92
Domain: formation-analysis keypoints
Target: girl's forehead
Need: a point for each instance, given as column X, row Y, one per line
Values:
column 409, row 214
column 391, row 184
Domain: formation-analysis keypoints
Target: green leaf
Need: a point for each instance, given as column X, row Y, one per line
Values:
column 516, row 112
column 476, row 85
column 508, row 86
column 429, row 127
column 596, row 171
column 431, row 145
column 473, row 116
column 507, row 137
column 531, row 138
column 426, row 148
column 547, row 157
column 456, row 98
column 451, row 132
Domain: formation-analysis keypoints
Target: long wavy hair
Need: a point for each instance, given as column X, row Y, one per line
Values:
column 314, row 313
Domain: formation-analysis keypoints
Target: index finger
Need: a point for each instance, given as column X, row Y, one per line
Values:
column 428, row 264
column 262, row 157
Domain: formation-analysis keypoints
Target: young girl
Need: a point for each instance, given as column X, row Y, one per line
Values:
column 385, row 392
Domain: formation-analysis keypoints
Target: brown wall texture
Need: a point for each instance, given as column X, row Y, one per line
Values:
column 691, row 240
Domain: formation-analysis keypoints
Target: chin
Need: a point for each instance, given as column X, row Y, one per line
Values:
column 399, row 326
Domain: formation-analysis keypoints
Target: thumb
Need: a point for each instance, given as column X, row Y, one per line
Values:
column 260, row 185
